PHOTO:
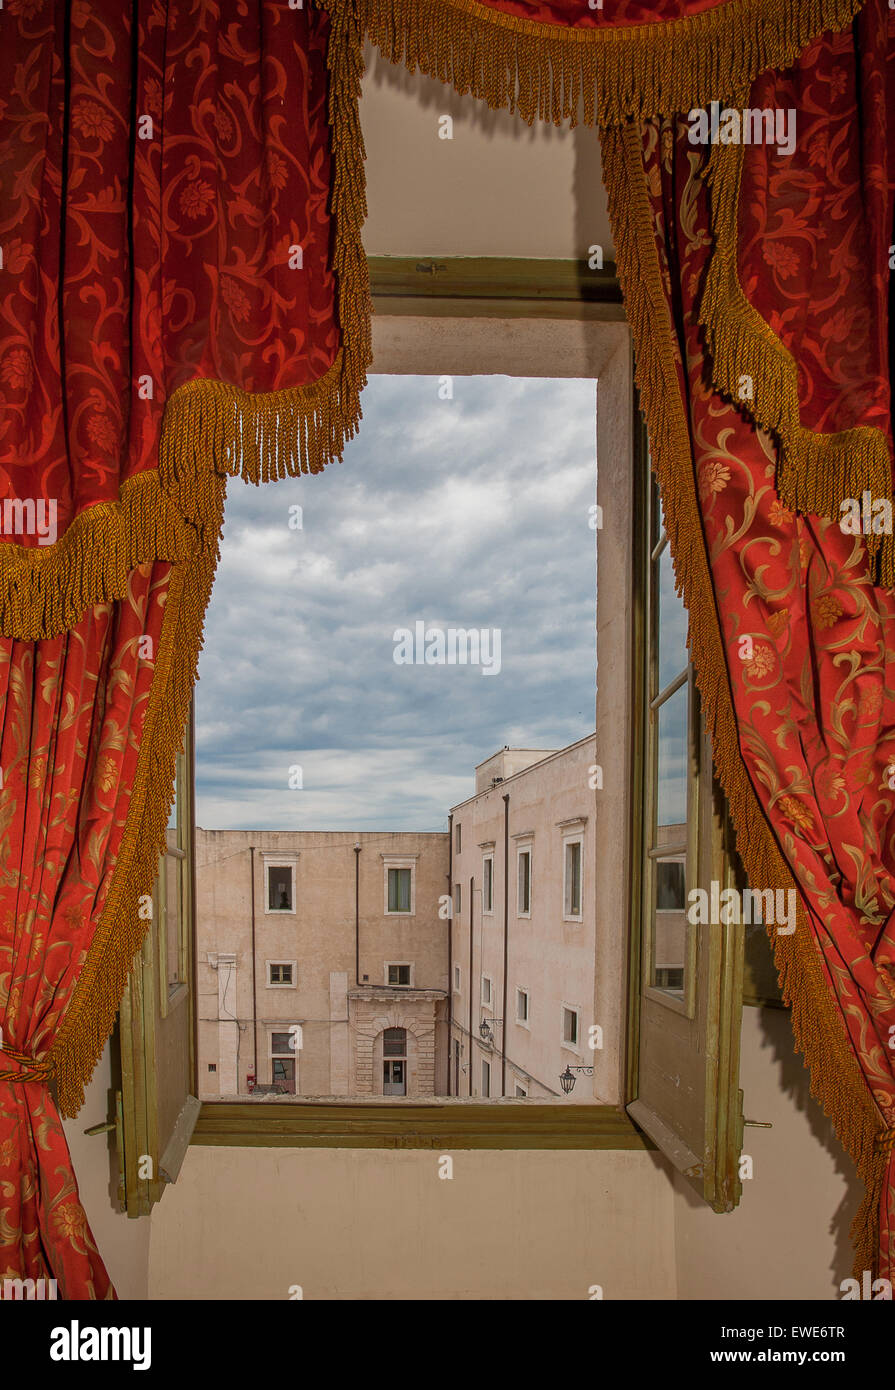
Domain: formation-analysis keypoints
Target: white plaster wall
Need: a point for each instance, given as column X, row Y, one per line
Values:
column 788, row 1239
column 122, row 1242
column 350, row 1224
column 498, row 188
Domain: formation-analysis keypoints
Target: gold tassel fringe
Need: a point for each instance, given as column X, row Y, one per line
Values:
column 547, row 71
column 209, row 430
column 751, row 367
column 836, row 1078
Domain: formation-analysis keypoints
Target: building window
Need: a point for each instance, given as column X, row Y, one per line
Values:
column 212, row 1066
column 521, row 1005
column 570, row 1027
column 523, row 890
column 572, row 880
column 280, row 974
column 456, row 979
column 394, row 1062
column 282, row 1062
column 399, row 886
column 486, row 1078
column 280, row 887
column 398, row 974
column 488, row 883
column 458, row 899
column 486, row 989
column 459, row 838
column 521, row 1092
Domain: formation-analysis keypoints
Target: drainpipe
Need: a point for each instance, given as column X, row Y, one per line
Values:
column 471, row 1034
column 357, row 915
column 254, row 986
column 450, row 922
column 506, row 922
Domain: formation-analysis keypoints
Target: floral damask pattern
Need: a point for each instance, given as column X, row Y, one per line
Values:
column 809, row 648
column 73, row 711
column 815, row 223
column 169, row 173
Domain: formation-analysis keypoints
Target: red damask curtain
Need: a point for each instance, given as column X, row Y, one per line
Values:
column 183, row 295
column 757, row 282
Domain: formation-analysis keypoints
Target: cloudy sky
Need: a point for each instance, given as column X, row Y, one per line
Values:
column 467, row 513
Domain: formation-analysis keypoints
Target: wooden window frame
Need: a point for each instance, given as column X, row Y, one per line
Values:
column 478, row 288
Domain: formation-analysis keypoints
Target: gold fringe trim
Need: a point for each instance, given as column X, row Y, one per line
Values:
column 547, row 71
column 816, row 472
column 836, row 1078
column 44, row 591
column 209, row 430
column 90, row 1016
column 259, row 436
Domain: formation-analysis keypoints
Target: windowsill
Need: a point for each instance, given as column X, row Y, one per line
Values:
column 441, row 1123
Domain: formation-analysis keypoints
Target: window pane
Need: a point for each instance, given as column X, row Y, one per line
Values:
column 671, row 624
column 573, row 879
column 399, row 890
column 672, row 760
column 524, row 880
column 394, row 1042
column 283, row 1074
column 669, row 924
column 281, row 1042
column 279, row 888
column 173, row 870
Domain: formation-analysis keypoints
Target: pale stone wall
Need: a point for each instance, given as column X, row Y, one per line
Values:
column 319, row 938
column 549, row 957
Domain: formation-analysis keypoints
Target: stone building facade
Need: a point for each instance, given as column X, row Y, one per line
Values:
column 523, row 949
column 322, row 963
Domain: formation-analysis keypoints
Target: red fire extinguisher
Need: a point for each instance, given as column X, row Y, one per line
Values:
column 250, row 1081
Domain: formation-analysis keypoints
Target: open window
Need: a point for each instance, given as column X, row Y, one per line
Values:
column 155, row 1103
column 687, row 977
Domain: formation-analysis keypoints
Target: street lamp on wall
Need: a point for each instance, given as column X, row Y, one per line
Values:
column 485, row 1032
column 567, row 1080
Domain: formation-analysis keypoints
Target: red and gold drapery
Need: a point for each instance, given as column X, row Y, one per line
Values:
column 183, row 296
column 756, row 280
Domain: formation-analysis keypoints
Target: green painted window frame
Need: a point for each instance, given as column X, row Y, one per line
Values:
column 486, row 287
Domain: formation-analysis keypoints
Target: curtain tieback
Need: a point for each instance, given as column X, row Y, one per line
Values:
column 885, row 1140
column 30, row 1069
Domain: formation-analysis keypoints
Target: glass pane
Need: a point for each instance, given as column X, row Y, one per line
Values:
column 669, row 919
column 399, row 890
column 280, row 1042
column 671, row 624
column 573, row 879
column 672, row 762
column 279, row 888
column 283, row 1074
column 173, row 869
